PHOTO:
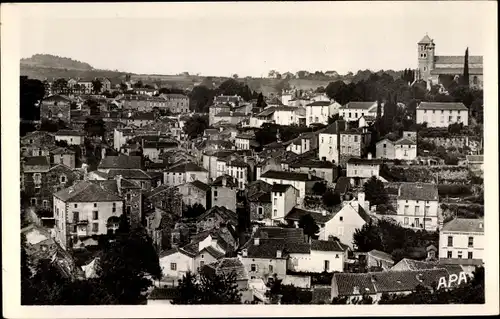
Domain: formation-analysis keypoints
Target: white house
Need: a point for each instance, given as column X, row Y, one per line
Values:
column 184, row 173
column 462, row 241
column 301, row 181
column 176, row 262
column 320, row 111
column 405, row 149
column 299, row 145
column 418, row 205
column 329, row 142
column 234, row 167
column 284, row 115
column 363, row 167
column 385, row 149
column 322, row 256
column 442, row 114
column 352, row 111
column 284, row 198
column 71, row 137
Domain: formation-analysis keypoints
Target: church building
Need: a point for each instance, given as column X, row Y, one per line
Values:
column 443, row 69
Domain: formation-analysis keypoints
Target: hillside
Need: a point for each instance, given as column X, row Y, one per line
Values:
column 55, row 62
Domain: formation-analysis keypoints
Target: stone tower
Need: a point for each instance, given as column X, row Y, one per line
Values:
column 426, row 49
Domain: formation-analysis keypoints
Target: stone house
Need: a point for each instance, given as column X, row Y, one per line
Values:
column 223, row 192
column 166, row 198
column 216, row 217
column 379, row 259
column 195, row 192
column 56, row 107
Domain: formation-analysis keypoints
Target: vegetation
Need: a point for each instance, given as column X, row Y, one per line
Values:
column 193, row 211
column 287, row 294
column 319, row 188
column 195, row 126
column 31, row 92
column 375, row 192
column 331, row 199
column 308, row 224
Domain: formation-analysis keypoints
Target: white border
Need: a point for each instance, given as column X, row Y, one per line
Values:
column 10, row 162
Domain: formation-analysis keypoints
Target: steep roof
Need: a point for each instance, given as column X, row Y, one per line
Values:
column 360, row 105
column 418, row 191
column 185, row 167
column 36, row 161
column 200, row 185
column 129, row 174
column 312, row 164
column 86, row 191
column 442, row 106
column 380, row 255
column 425, row 40
column 267, row 248
column 280, row 188
column 327, row 245
column 334, row 128
column 69, row 133
column 405, row 141
column 456, row 71
column 229, row 215
column 457, row 59
column 319, row 103
column 364, row 161
column 227, row 266
column 213, row 252
column 465, row 225
column 273, row 232
column 290, row 176
column 230, row 181
column 343, row 184
column 120, row 161
column 296, row 213
column 57, row 98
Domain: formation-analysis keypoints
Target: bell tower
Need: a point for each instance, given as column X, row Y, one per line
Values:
column 425, row 50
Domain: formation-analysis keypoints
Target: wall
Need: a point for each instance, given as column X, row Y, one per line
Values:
column 65, row 159
column 362, row 170
column 192, row 195
column 71, row 140
column 389, row 153
column 431, row 215
column 204, row 257
column 297, row 281
column 328, row 147
column 299, row 185
column 343, row 229
column 254, row 211
column 239, row 173
column 405, row 152
column 184, row 264
column 262, row 267
column 226, row 197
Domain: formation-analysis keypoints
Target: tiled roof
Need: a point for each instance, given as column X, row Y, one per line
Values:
column 365, row 161
column 321, row 294
column 213, row 252
column 69, row 133
column 441, row 106
column 461, row 262
column 319, row 103
column 227, row 214
column 204, row 187
column 158, row 190
column 267, row 248
column 234, row 162
column 405, row 141
column 230, row 181
column 260, row 197
column 343, row 184
column 129, row 174
column 280, row 188
column 86, row 191
column 296, row 213
column 290, row 234
column 425, row 40
column 475, row 158
column 418, row 191
column 57, row 98
column 160, row 144
column 380, row 255
column 120, row 161
column 411, row 264
column 312, row 164
column 227, row 266
column 290, row 176
column 360, row 105
column 334, row 128
column 61, row 150
column 456, row 71
column 230, row 114
column 326, row 245
column 185, row 167
column 168, row 293
column 36, row 161
column 457, row 59
column 465, row 225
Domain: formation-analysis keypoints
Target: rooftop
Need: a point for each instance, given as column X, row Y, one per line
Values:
column 465, row 225
column 69, row 133
column 365, row 161
column 418, row 191
column 296, row 213
column 280, row 188
column 120, row 161
column 290, row 176
column 86, row 191
column 185, row 167
column 441, row 106
column 360, row 105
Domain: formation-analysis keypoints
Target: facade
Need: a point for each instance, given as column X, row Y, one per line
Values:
column 418, row 205
column 300, row 181
column 441, row 70
column 352, row 111
column 56, row 107
column 353, row 143
column 329, row 142
column 319, row 111
column 363, row 167
column 322, row 256
column 184, row 173
column 462, row 238
column 176, row 103
column 195, row 192
column 70, row 137
column 442, row 114
column 322, row 169
column 284, row 198
column 223, row 192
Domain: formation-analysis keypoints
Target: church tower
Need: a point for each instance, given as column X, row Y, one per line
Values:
column 426, row 49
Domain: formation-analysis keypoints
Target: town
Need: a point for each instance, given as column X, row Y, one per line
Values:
column 360, row 192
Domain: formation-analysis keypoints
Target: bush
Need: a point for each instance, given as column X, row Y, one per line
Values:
column 453, row 190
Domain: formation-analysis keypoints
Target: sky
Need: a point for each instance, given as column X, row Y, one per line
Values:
column 249, row 39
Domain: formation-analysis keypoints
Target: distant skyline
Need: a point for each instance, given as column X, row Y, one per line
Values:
column 250, row 39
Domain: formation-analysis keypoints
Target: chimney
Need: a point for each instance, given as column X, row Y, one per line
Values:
column 323, row 212
column 369, row 156
column 244, row 252
column 224, row 181
column 256, row 241
column 118, row 179
column 481, row 225
column 103, row 153
column 278, row 253
column 355, row 290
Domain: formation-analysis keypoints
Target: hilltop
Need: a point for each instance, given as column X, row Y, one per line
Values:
column 55, row 62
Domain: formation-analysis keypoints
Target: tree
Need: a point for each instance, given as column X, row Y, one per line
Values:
column 330, row 198
column 200, row 98
column 138, row 84
column 375, row 192
column 308, row 224
column 195, row 126
column 96, row 86
column 260, row 101
column 60, row 85
column 123, row 87
column 31, row 93
column 465, row 76
column 188, row 291
column 193, row 211
column 94, row 127
column 319, row 188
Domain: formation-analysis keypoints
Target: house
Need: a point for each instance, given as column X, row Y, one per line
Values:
column 300, row 181
column 385, row 148
column 442, row 114
column 62, row 155
column 165, row 197
column 140, row 119
column 417, row 206
column 299, row 101
column 318, row 112
column 176, row 103
column 195, row 192
column 366, row 121
column 33, row 176
column 34, row 142
column 215, row 109
column 354, row 143
column 234, row 167
column 406, row 264
column 143, row 103
column 56, row 107
column 318, row 256
column 363, row 167
column 207, row 256
column 374, row 284
column 232, row 118
column 227, row 266
column 462, row 242
column 352, row 111
column 261, row 207
column 322, row 169
column 329, row 142
column 284, row 115
column 155, row 149
column 184, row 173
column 341, row 222
column 159, row 225
column 245, row 141
column 70, row 137
column 119, row 162
column 232, row 100
column 405, row 149
column 216, row 217
column 223, row 192
column 85, row 209
column 379, row 259
column 284, row 198
column 265, row 258
column 146, row 180
column 162, row 296
column 176, row 262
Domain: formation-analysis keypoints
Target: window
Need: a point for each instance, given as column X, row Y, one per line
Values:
column 76, row 217
column 475, row 80
column 406, row 221
column 95, row 204
column 271, row 268
column 37, row 178
column 322, row 139
column 202, row 263
column 449, row 254
column 426, row 210
column 330, row 151
column 459, row 255
column 336, row 255
column 114, row 208
column 95, row 227
column 417, row 222
column 260, row 211
column 417, row 210
column 253, row 267
column 469, row 255
column 95, row 215
column 425, row 68
column 46, row 204
column 406, row 209
column 341, row 218
column 173, row 266
column 450, row 241
column 275, row 201
column 327, row 265
column 459, row 118
column 215, row 194
column 471, row 242
column 275, row 212
column 33, row 201
column 450, row 118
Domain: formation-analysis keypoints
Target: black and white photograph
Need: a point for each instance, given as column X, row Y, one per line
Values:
column 260, row 154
